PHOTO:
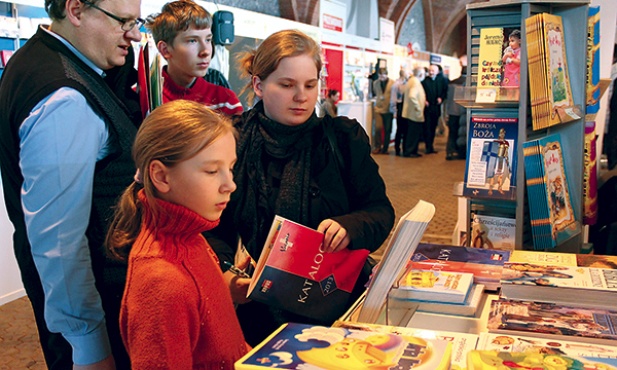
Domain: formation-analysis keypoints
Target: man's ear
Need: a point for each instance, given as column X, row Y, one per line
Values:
column 163, row 49
column 258, row 86
column 159, row 175
column 73, row 10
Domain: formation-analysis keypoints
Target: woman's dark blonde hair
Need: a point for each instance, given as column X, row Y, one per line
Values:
column 172, row 133
column 264, row 60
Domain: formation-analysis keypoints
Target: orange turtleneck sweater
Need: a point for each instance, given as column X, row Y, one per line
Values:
column 177, row 311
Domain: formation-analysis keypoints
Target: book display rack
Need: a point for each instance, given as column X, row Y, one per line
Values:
column 490, row 92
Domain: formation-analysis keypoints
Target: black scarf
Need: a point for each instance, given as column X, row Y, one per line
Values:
column 262, row 140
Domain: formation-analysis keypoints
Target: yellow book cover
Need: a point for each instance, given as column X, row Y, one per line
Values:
column 300, row 346
column 490, row 65
column 560, row 92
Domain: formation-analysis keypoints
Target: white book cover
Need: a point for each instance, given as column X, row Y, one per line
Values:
column 521, row 343
column 436, row 286
column 402, row 244
column 493, row 232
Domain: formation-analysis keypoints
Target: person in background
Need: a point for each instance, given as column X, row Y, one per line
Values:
column 435, row 90
column 414, row 101
column 382, row 89
column 183, row 36
column 396, row 105
column 65, row 144
column 177, row 311
column 454, row 111
column 286, row 166
column 329, row 105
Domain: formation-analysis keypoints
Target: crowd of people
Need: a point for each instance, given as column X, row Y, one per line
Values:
column 417, row 101
column 125, row 229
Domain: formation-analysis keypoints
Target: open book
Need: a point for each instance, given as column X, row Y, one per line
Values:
column 401, row 246
column 295, row 274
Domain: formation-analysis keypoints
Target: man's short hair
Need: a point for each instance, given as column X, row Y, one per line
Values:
column 176, row 17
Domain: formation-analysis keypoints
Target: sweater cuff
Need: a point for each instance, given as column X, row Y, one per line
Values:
column 91, row 347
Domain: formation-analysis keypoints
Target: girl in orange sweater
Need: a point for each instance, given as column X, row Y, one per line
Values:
column 177, row 311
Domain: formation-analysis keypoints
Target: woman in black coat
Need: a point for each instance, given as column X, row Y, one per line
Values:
column 314, row 171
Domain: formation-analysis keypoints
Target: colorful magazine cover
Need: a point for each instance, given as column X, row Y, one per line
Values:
column 491, row 158
column 521, row 343
column 300, row 346
column 491, row 360
column 552, row 320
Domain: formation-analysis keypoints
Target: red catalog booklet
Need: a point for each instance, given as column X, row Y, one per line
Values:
column 295, row 274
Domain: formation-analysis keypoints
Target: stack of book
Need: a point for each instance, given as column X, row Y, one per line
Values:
column 568, row 285
column 549, row 320
column 440, row 292
column 486, row 265
column 550, row 208
column 561, row 278
column 549, row 81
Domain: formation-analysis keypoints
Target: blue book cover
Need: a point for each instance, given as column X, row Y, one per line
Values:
column 593, row 60
column 491, row 158
column 550, row 208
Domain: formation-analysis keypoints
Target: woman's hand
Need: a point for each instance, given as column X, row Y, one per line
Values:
column 238, row 286
column 335, row 236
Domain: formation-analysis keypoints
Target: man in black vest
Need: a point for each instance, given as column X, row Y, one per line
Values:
column 65, row 156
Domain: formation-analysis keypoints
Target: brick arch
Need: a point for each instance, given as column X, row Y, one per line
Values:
column 441, row 17
column 304, row 11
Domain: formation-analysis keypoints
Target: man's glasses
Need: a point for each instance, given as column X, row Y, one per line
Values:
column 126, row 23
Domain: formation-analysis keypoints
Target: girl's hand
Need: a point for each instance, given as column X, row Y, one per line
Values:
column 335, row 236
column 238, row 286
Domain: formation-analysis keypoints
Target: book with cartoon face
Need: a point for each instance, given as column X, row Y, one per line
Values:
column 296, row 346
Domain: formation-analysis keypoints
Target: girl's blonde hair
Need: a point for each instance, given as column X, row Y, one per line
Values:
column 264, row 60
column 172, row 133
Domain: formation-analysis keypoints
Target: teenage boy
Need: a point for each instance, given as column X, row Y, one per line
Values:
column 183, row 36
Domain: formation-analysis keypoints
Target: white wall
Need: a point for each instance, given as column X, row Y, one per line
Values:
column 10, row 281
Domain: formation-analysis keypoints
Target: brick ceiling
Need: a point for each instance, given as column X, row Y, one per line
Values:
column 441, row 17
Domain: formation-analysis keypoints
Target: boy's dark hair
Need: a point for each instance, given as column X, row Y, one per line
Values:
column 176, row 17
column 515, row 33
